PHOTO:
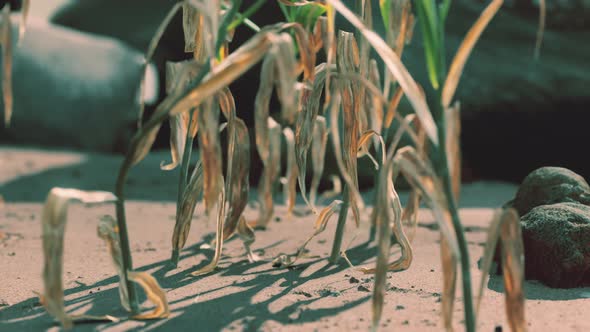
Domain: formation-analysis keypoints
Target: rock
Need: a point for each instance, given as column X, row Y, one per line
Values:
column 549, row 185
column 557, row 244
column 74, row 90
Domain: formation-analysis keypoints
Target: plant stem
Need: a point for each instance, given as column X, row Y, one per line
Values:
column 124, row 237
column 340, row 227
column 246, row 14
column 441, row 164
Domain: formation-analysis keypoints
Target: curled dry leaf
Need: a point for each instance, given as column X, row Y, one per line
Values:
column 6, row 42
column 153, row 292
column 456, row 68
column 178, row 76
column 218, row 236
column 318, row 155
column 422, row 177
column 108, row 231
column 188, row 203
column 237, row 179
column 53, row 221
column 363, row 142
column 210, row 11
column 388, row 213
column 284, row 260
column 270, row 174
column 398, row 70
column 290, row 180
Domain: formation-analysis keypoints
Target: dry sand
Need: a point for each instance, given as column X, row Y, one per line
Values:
column 239, row 296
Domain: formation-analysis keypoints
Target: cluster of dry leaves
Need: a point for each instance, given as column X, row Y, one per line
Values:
column 358, row 111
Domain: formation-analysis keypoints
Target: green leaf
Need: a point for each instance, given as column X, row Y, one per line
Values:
column 307, row 15
column 385, row 6
column 428, row 25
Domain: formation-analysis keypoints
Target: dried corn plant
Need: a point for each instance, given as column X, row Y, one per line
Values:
column 358, row 114
column 6, row 44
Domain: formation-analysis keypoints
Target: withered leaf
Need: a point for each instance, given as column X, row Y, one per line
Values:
column 284, row 260
column 53, row 221
column 318, row 154
column 460, row 59
column 397, row 69
column 188, row 203
column 238, row 179
column 153, row 292
column 109, row 231
column 270, row 174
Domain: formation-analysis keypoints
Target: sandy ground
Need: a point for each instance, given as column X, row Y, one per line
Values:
column 239, row 296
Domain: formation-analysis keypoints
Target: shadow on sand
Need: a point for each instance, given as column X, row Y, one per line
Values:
column 208, row 315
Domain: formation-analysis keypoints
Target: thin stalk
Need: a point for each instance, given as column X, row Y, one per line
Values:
column 337, row 244
column 443, row 172
column 124, row 237
column 183, row 178
column 246, row 14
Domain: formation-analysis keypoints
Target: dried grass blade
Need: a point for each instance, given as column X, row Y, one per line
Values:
column 365, row 139
column 456, row 68
column 373, row 104
column 392, row 107
column 292, row 173
column 210, row 150
column 422, row 177
column 184, row 217
column 397, row 69
column 513, row 269
column 453, row 146
column 347, row 57
column 449, row 263
column 388, row 211
column 335, row 132
column 218, row 237
column 53, row 221
column 108, row 231
column 320, row 226
column 7, row 64
column 238, row 175
column 153, row 292
column 270, row 174
column 26, row 5
column 261, row 108
column 318, row 155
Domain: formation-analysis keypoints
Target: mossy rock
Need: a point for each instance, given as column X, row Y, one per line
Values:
column 550, row 185
column 557, row 244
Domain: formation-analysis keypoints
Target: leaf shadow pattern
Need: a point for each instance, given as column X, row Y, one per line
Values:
column 211, row 314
